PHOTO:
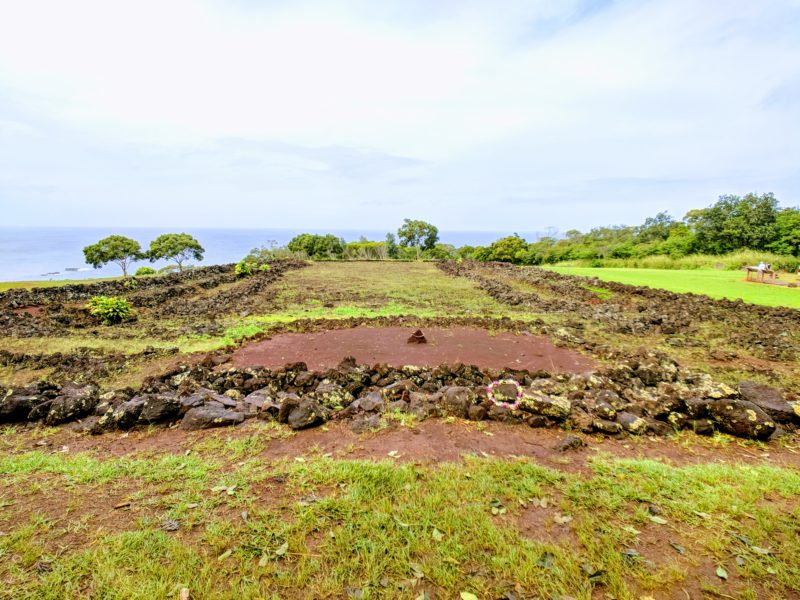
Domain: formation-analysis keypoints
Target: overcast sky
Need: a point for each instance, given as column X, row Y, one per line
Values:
column 501, row 115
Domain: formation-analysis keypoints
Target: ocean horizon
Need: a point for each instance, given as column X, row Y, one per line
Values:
column 52, row 253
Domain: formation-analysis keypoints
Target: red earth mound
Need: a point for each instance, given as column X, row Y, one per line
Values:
column 323, row 350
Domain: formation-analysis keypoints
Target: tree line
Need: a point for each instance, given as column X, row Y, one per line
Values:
column 122, row 251
column 733, row 223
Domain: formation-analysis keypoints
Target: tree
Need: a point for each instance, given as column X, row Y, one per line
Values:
column 733, row 223
column 418, row 234
column 788, row 226
column 506, row 249
column 115, row 248
column 317, row 246
column 178, row 247
column 391, row 246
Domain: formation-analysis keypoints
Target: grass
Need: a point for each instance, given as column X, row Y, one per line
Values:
column 711, row 282
column 416, row 288
column 325, row 527
column 8, row 285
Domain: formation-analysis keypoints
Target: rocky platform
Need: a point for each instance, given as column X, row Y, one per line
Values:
column 644, row 394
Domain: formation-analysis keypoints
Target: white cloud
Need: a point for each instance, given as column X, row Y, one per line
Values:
column 443, row 108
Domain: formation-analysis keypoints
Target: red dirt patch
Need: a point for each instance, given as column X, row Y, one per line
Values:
column 34, row 311
column 325, row 349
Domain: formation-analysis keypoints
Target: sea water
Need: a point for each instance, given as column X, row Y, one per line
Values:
column 42, row 253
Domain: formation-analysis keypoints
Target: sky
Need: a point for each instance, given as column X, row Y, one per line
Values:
column 474, row 115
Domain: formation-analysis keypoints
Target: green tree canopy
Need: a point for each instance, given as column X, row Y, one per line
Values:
column 317, row 246
column 418, row 234
column 787, row 224
column 115, row 248
column 734, row 222
column 508, row 248
column 178, row 247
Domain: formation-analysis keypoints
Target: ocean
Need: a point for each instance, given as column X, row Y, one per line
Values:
column 43, row 253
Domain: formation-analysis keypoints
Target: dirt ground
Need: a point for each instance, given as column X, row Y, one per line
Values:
column 390, row 345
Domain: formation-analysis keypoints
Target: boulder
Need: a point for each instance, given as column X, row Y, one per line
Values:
column 372, row 402
column 208, row 416
column 605, row 426
column 570, row 442
column 631, row 423
column 456, row 400
column 73, row 402
column 365, row 423
column 261, row 403
column 332, row 395
column 287, row 403
column 554, row 407
column 308, row 413
column 742, row 419
column 126, row 414
column 159, row 407
column 771, row 401
column 605, row 411
column 701, row 426
column 423, row 406
column 17, row 407
column 505, row 392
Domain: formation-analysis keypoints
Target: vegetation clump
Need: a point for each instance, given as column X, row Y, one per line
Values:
column 110, row 309
column 118, row 249
column 177, row 247
column 143, row 271
column 243, row 268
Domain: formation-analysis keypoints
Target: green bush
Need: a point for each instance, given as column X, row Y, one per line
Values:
column 243, row 269
column 110, row 309
column 142, row 271
column 264, row 267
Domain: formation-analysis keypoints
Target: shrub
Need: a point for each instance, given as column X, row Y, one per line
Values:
column 110, row 309
column 142, row 271
column 264, row 267
column 243, row 269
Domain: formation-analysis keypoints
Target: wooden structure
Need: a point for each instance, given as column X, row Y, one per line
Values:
column 760, row 273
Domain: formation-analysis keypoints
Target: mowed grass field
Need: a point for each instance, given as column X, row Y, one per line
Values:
column 711, row 282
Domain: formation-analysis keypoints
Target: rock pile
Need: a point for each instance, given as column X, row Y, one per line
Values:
column 647, row 393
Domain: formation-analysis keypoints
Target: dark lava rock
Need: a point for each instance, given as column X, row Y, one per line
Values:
column 423, row 406
column 261, row 402
column 417, row 338
column 15, row 408
column 537, row 421
column 288, row 402
column 770, row 401
column 476, row 412
column 570, row 442
column 631, row 423
column 372, row 402
column 73, row 403
column 456, row 400
column 159, row 407
column 505, row 392
column 206, row 417
column 605, row 411
column 701, row 426
column 307, row 413
column 125, row 415
column 554, row 407
column 742, row 418
column 604, row 426
column 365, row 423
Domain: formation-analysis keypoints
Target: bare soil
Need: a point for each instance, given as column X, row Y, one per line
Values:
column 325, row 349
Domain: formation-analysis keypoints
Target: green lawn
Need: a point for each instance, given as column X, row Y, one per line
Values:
column 7, row 285
column 712, row 282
